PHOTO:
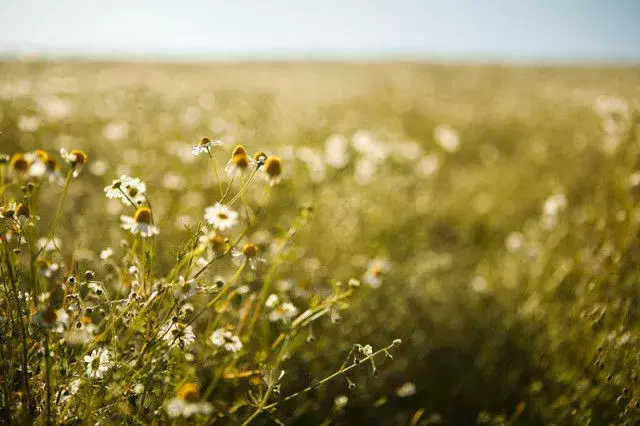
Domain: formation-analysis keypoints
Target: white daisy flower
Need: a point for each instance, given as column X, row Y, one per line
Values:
column 75, row 158
column 186, row 288
column 375, row 272
column 186, row 403
column 98, row 363
column 106, row 253
column 226, row 339
column 205, row 145
column 177, row 334
column 239, row 162
column 221, row 217
column 248, row 254
column 141, row 223
column 283, row 312
column 127, row 188
column 272, row 301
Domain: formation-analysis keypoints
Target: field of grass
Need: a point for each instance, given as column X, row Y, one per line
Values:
column 487, row 217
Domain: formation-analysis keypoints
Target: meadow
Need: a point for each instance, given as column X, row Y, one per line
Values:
column 319, row 243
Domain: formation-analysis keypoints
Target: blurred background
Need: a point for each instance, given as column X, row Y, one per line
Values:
column 483, row 155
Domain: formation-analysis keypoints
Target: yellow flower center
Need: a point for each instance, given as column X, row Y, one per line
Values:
column 205, row 141
column 80, row 157
column 22, row 210
column 41, row 154
column 273, row 166
column 240, row 160
column 217, row 243
column 239, row 149
column 19, row 163
column 250, row 250
column 51, row 164
column 143, row 215
column 189, row 392
column 377, row 271
column 260, row 157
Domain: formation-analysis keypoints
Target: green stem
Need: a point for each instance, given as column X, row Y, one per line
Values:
column 215, row 170
column 63, row 195
column 338, row 373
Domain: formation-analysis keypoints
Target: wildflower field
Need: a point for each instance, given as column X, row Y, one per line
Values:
column 318, row 243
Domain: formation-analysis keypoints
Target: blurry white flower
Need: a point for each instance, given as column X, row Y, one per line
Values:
column 98, row 167
column 126, row 189
column 514, row 242
column 116, row 130
column 49, row 245
column 249, row 254
column 479, row 284
column 610, row 106
column 365, row 170
column 106, row 253
column 272, row 301
column 447, row 137
column 98, row 363
column 75, row 158
column 141, row 223
column 174, row 181
column 186, row 288
column 177, row 334
column 204, row 146
column 55, row 107
column 340, row 401
column 28, row 123
column 336, row 151
column 187, row 404
column 226, row 339
column 283, row 312
column 407, row 389
column 375, row 272
column 555, row 204
column 427, row 166
column 221, row 217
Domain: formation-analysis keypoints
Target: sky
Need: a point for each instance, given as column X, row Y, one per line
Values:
column 503, row 30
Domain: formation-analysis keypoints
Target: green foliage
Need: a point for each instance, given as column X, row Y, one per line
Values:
column 489, row 214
